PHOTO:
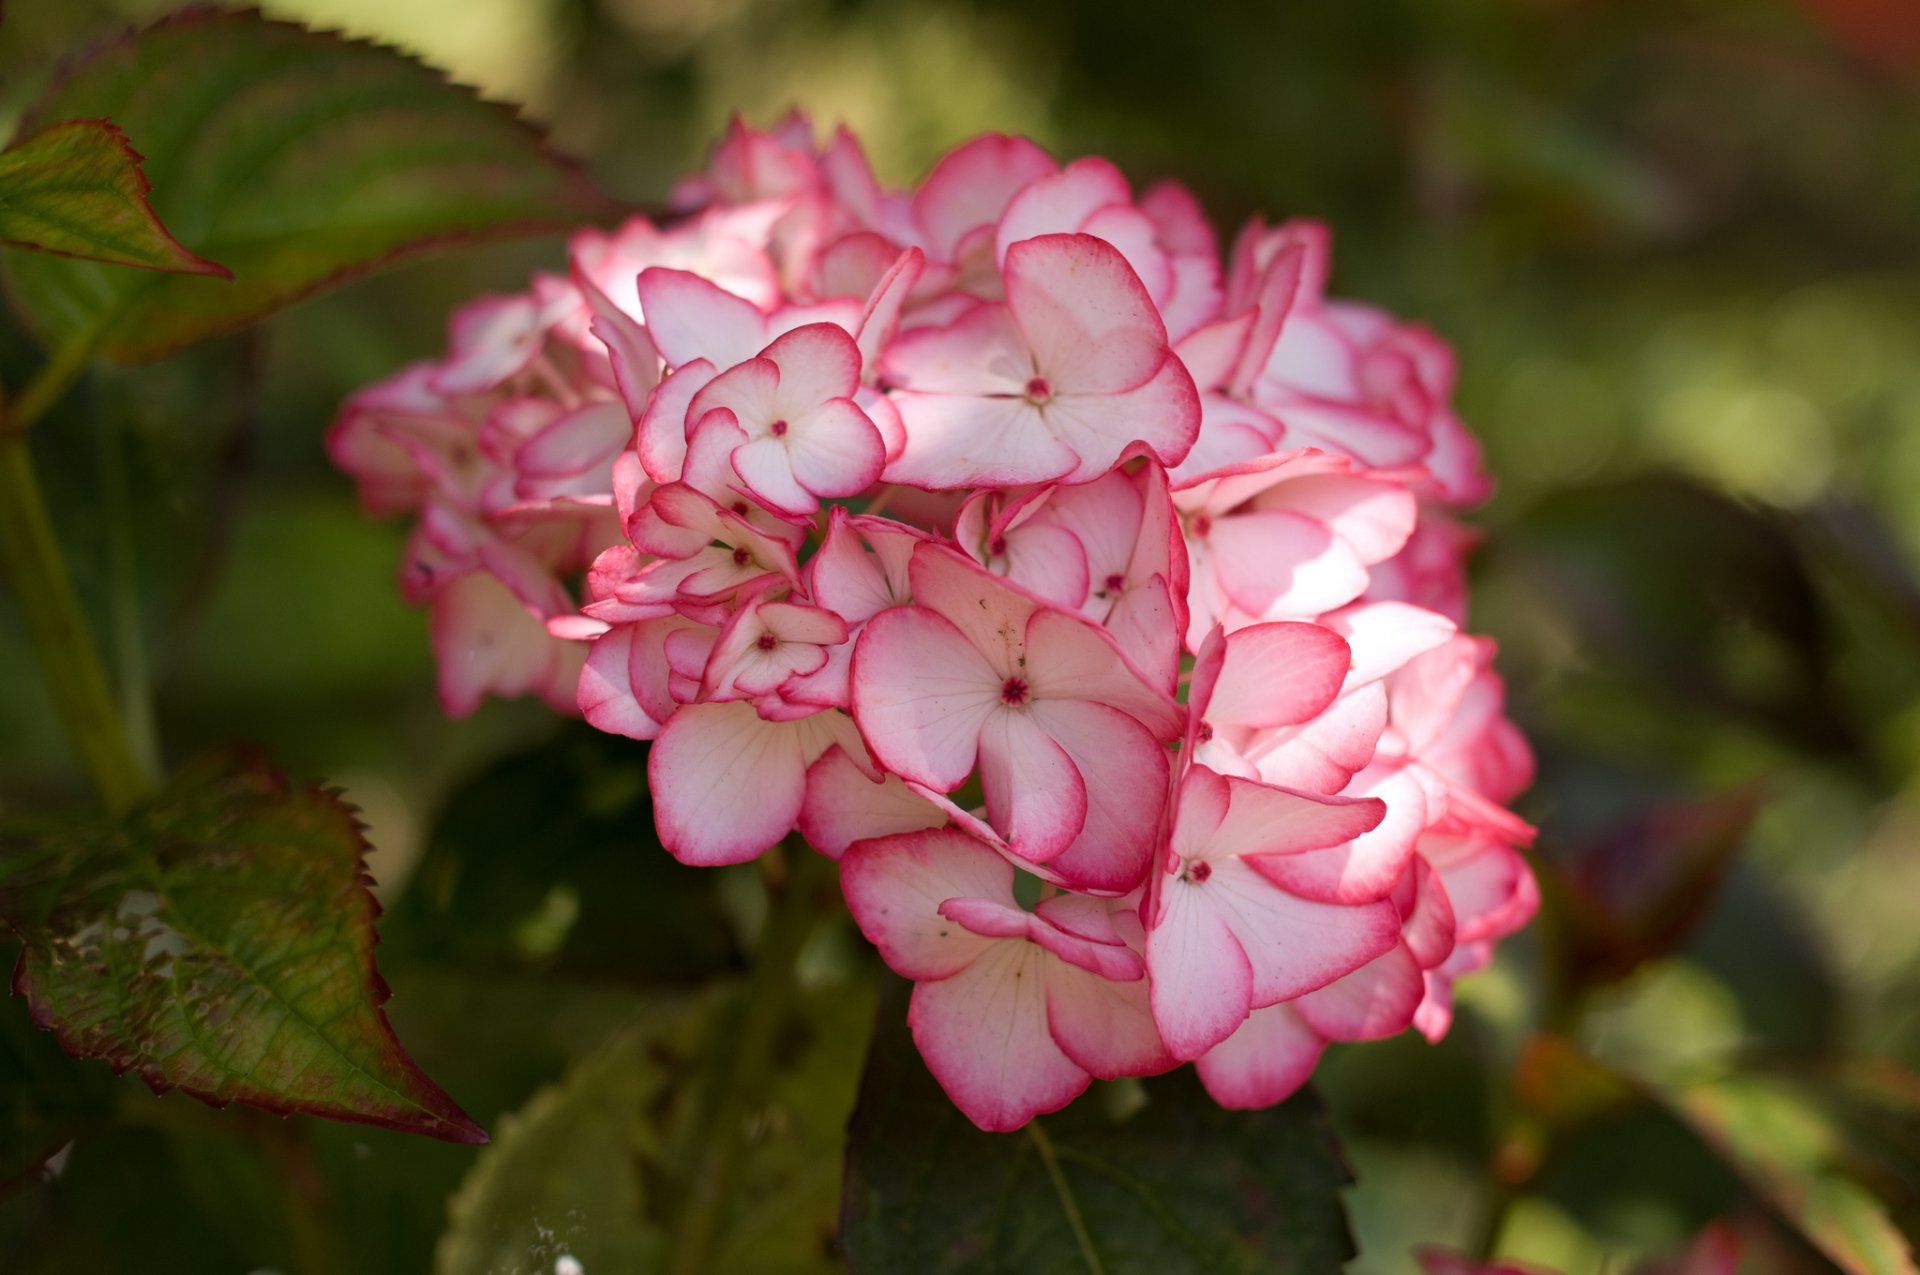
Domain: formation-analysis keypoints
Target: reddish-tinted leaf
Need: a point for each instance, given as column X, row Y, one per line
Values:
column 75, row 188
column 297, row 158
column 220, row 941
column 1640, row 891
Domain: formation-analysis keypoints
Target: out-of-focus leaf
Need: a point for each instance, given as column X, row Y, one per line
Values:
column 220, row 941
column 1563, row 1086
column 75, row 189
column 787, row 1208
column 1639, row 891
column 1681, row 599
column 295, row 157
column 1787, row 1149
column 548, row 859
column 587, row 1168
column 563, row 1177
column 1178, row 1186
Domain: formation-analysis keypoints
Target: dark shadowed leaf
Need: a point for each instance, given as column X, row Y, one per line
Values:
column 1640, row 890
column 563, row 1179
column 296, row 158
column 548, row 860
column 588, row 1167
column 1177, row 1186
column 75, row 188
column 220, row 941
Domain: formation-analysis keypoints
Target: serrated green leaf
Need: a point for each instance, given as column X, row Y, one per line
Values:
column 220, row 941
column 1178, row 1186
column 75, row 189
column 295, row 157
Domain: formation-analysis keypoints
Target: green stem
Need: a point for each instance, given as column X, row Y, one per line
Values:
column 48, row 386
column 1081, row 1236
column 32, row 563
column 739, row 1059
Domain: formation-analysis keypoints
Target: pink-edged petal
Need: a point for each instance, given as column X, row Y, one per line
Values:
column 1163, row 414
column 981, row 352
column 1105, row 1025
column 1278, row 564
column 1062, row 201
column 1372, row 516
column 606, row 694
column 1201, row 979
column 493, row 339
column 1325, row 754
column 844, row 805
column 1069, row 659
column 1124, row 773
column 817, row 361
column 1384, row 636
column 881, row 319
column 662, row 434
column 1035, row 796
column 583, row 439
column 766, row 467
column 1375, row 1001
column 690, row 318
column 1261, row 819
column 1427, row 924
column 1294, row 945
column 726, row 784
column 1278, row 675
column 835, row 450
column 993, row 616
column 984, row 1035
column 1265, row 1061
column 1492, row 893
column 971, row 186
column 922, row 694
column 1146, row 625
column 1049, row 561
column 1089, row 320
column 956, row 441
column 896, row 884
column 1367, row 867
column 488, row 642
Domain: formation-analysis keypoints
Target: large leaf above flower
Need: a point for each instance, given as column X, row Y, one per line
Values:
column 220, row 941
column 296, row 158
column 75, row 189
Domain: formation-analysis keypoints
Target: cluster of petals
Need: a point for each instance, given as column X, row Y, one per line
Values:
column 1091, row 593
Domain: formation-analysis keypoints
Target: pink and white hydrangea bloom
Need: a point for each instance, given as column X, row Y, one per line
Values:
column 907, row 519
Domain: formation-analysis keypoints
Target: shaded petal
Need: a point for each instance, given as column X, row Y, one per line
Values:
column 895, row 886
column 922, row 694
column 1264, row 1062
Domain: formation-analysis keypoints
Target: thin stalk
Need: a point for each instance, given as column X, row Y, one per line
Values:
column 739, row 1059
column 48, row 387
column 31, row 562
column 126, row 617
column 1081, row 1236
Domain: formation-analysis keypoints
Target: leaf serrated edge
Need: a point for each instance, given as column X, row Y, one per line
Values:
column 451, row 1124
column 597, row 206
column 194, row 262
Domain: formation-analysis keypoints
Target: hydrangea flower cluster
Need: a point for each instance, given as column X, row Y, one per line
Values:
column 1093, row 599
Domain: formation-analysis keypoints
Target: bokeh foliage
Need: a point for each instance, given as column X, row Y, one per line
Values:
column 1677, row 247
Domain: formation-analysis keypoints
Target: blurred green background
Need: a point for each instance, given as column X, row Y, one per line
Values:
column 1676, row 244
